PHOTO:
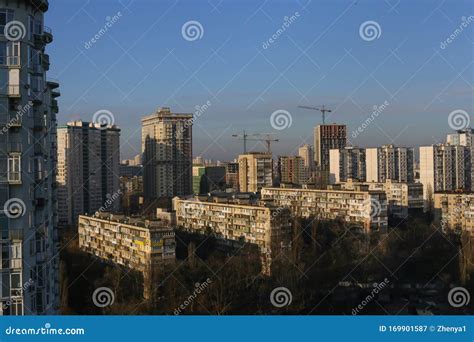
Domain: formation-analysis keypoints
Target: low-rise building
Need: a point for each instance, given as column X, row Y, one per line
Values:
column 246, row 220
column 135, row 243
column 401, row 197
column 365, row 209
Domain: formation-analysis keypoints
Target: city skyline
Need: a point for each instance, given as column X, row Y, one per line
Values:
column 422, row 80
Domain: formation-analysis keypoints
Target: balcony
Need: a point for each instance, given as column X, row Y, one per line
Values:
column 14, row 90
column 52, row 83
column 47, row 34
column 42, row 5
column 15, row 120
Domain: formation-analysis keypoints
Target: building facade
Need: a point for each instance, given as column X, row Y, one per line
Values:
column 291, row 170
column 167, row 154
column 464, row 138
column 255, row 171
column 137, row 244
column 454, row 211
column 390, row 163
column 266, row 226
column 88, row 169
column 28, row 206
column 444, row 168
column 232, row 176
column 364, row 209
column 401, row 197
column 347, row 164
column 326, row 138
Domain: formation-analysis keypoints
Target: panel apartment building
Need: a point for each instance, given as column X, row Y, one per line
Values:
column 138, row 244
column 389, row 163
column 347, row 164
column 364, row 209
column 255, row 171
column 28, row 215
column 444, row 168
column 167, row 154
column 401, row 197
column 261, row 224
column 88, row 169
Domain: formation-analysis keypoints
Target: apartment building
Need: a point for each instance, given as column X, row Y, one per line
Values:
column 454, row 211
column 135, row 243
column 88, row 169
column 291, row 170
column 261, row 224
column 167, row 154
column 464, row 138
column 346, row 164
column 326, row 138
column 364, row 209
column 232, row 176
column 28, row 207
column 401, row 197
column 389, row 163
column 444, row 168
column 255, row 171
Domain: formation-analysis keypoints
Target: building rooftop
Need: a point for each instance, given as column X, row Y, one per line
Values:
column 140, row 222
column 165, row 112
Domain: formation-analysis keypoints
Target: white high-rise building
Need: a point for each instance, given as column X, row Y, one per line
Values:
column 28, row 208
column 389, row 163
column 444, row 168
column 327, row 137
column 347, row 164
column 88, row 170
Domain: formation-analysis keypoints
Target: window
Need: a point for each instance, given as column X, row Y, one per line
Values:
column 14, row 168
column 6, row 15
column 13, row 53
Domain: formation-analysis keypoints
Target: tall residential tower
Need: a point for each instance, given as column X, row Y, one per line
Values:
column 88, row 170
column 28, row 208
column 167, row 154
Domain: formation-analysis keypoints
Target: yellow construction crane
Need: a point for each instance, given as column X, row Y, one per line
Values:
column 265, row 137
column 321, row 109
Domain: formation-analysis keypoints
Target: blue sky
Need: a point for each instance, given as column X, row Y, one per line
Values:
column 143, row 62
